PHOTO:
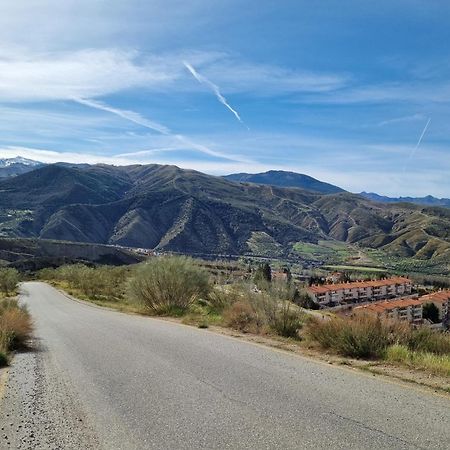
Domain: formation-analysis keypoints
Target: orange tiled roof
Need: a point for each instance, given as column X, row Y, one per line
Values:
column 389, row 305
column 437, row 297
column 358, row 284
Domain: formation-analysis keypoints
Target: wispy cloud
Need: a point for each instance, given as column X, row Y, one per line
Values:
column 410, row 118
column 26, row 76
column 138, row 119
column 201, row 79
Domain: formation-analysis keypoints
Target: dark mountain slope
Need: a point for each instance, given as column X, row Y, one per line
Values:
column 169, row 208
column 282, row 178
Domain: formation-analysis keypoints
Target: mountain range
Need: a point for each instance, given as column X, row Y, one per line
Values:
column 18, row 165
column 168, row 208
column 291, row 179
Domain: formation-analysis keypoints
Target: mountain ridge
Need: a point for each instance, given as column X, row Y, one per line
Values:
column 168, row 208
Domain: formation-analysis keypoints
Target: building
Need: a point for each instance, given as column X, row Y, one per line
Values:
column 441, row 300
column 406, row 309
column 360, row 291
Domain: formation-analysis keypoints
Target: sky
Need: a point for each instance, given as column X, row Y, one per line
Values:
column 355, row 93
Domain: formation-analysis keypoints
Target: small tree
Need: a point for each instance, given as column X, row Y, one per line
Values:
column 263, row 274
column 9, row 278
column 430, row 312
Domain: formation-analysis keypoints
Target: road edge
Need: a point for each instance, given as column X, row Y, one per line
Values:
column 277, row 346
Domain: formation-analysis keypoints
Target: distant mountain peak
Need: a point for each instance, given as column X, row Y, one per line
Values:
column 7, row 162
column 284, row 178
column 11, row 167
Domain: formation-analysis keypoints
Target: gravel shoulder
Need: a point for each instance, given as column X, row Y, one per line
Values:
column 39, row 409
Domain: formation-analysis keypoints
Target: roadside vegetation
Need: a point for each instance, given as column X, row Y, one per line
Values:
column 204, row 294
column 15, row 321
column 181, row 287
column 365, row 336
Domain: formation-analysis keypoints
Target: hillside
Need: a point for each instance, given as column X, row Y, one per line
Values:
column 282, row 178
column 168, row 208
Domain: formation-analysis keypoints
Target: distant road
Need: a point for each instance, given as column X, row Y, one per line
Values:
column 103, row 379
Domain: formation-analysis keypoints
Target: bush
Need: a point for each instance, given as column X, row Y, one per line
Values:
column 287, row 322
column 241, row 316
column 358, row 337
column 257, row 312
column 368, row 336
column 168, row 284
column 102, row 282
column 426, row 340
column 15, row 328
column 9, row 278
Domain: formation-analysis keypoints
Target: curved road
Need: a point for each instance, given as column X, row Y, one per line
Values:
column 103, row 379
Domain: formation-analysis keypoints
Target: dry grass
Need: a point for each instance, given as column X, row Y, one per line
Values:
column 396, row 343
column 15, row 327
column 431, row 362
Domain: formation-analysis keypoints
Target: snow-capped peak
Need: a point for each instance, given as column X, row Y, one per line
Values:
column 7, row 162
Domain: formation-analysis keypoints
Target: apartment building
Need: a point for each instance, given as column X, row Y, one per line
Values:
column 360, row 291
column 408, row 309
column 441, row 300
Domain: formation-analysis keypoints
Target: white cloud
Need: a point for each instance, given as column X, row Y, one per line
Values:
column 27, row 76
column 81, row 74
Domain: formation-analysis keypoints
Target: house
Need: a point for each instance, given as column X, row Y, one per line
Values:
column 441, row 300
column 360, row 291
column 406, row 309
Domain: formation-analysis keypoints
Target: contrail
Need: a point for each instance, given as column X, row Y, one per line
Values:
column 215, row 89
column 128, row 115
column 420, row 139
column 138, row 119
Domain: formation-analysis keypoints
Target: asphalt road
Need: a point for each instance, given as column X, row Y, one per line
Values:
column 103, row 379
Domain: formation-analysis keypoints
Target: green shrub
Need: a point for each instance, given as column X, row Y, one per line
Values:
column 168, row 284
column 104, row 282
column 426, row 340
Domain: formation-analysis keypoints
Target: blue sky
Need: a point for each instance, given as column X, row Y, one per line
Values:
column 340, row 90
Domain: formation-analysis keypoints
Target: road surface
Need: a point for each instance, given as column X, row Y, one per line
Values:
column 102, row 379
